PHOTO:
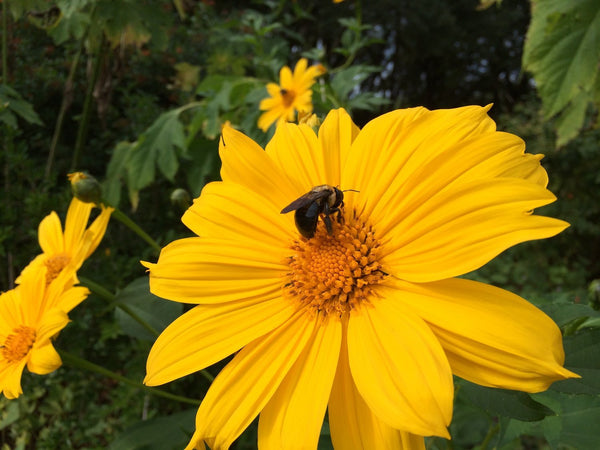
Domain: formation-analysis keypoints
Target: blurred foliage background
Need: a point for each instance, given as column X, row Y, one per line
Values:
column 135, row 93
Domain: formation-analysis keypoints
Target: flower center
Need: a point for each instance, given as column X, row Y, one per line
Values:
column 332, row 274
column 288, row 97
column 55, row 264
column 17, row 345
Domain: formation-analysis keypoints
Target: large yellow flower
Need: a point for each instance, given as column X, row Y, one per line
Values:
column 368, row 321
column 30, row 315
column 71, row 248
column 291, row 95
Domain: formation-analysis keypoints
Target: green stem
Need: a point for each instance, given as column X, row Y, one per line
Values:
column 87, row 106
column 125, row 220
column 110, row 297
column 64, row 106
column 80, row 363
column 5, row 42
column 490, row 434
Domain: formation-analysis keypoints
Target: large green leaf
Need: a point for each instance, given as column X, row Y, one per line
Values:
column 575, row 424
column 502, row 402
column 154, row 311
column 156, row 147
column 160, row 433
column 562, row 51
column 13, row 105
column 582, row 357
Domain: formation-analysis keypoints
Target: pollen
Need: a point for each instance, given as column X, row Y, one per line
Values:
column 55, row 264
column 18, row 344
column 332, row 274
column 288, row 96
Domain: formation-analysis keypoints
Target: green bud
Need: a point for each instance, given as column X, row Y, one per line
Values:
column 181, row 199
column 85, row 187
column 594, row 294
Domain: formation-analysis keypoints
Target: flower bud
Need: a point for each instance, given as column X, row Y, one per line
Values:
column 85, row 187
column 181, row 199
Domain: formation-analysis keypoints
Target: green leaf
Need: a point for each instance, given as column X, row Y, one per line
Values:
column 171, row 432
column 345, row 81
column 562, row 51
column 574, row 426
column 502, row 402
column 115, row 172
column 156, row 147
column 12, row 102
column 156, row 312
column 582, row 352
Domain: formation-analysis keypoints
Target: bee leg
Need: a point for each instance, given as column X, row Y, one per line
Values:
column 326, row 212
column 328, row 224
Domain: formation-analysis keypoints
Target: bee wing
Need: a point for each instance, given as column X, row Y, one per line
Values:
column 299, row 202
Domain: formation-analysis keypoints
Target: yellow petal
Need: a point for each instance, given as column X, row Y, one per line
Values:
column 203, row 270
column 336, row 135
column 44, row 359
column 400, row 368
column 376, row 143
column 393, row 149
column 245, row 163
column 247, row 383
column 98, row 228
column 351, row 422
column 50, row 234
column 52, row 321
column 10, row 379
column 459, row 230
column 293, row 417
column 76, row 224
column 231, row 211
column 286, row 78
column 295, row 150
column 491, row 336
column 208, row 333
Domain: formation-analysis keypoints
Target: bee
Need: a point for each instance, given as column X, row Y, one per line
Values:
column 323, row 200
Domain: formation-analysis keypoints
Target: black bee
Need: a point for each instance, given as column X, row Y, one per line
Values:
column 322, row 200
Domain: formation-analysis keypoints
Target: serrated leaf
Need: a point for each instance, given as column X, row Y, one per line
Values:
column 563, row 313
column 348, row 79
column 171, row 432
column 582, row 352
column 156, row 312
column 11, row 100
column 502, row 402
column 562, row 52
column 156, row 147
column 115, row 172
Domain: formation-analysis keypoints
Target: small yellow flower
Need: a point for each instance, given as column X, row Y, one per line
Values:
column 30, row 316
column 291, row 95
column 368, row 320
column 71, row 248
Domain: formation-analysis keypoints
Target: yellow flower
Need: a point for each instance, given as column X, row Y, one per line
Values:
column 30, row 316
column 71, row 248
column 368, row 321
column 291, row 95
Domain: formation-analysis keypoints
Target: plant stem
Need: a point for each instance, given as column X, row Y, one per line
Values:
column 488, row 437
column 87, row 105
column 64, row 106
column 75, row 361
column 125, row 220
column 8, row 142
column 110, row 297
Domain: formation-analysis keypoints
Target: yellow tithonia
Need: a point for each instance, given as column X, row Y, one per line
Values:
column 71, row 247
column 292, row 94
column 30, row 316
column 368, row 322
